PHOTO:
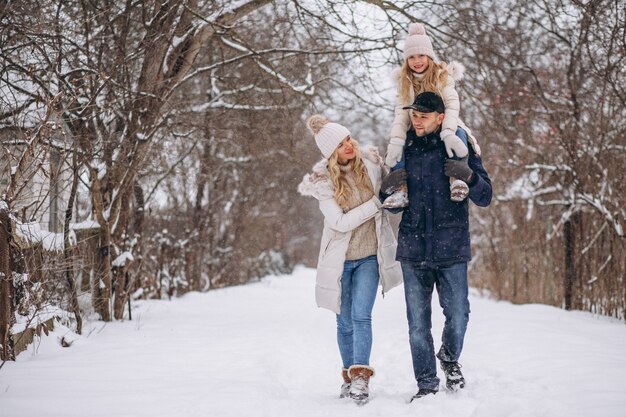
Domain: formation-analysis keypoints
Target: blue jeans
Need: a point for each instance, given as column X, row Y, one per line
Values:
column 451, row 282
column 359, row 284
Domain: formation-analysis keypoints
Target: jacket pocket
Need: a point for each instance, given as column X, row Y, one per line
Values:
column 452, row 224
column 450, row 214
column 328, row 245
column 334, row 239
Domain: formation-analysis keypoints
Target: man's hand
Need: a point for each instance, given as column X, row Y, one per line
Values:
column 394, row 152
column 393, row 180
column 454, row 144
column 458, row 169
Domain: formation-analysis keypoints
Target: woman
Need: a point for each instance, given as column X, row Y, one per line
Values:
column 357, row 248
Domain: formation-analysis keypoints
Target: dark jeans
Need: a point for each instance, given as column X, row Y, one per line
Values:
column 419, row 282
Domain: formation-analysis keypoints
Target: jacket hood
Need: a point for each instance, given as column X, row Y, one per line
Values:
column 317, row 183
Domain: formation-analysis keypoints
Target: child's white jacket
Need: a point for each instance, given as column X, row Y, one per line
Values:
column 338, row 228
column 402, row 121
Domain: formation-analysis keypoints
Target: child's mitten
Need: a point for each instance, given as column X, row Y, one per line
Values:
column 394, row 152
column 454, row 144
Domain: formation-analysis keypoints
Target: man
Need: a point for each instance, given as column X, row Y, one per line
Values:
column 434, row 241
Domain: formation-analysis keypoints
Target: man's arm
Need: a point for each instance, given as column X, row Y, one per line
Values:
column 471, row 170
column 480, row 190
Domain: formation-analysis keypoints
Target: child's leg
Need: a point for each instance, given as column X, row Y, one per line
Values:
column 458, row 188
column 399, row 165
column 399, row 198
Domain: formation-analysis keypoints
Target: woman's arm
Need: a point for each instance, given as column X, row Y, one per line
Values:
column 345, row 222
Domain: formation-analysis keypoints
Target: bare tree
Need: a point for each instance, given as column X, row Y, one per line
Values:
column 551, row 94
column 120, row 71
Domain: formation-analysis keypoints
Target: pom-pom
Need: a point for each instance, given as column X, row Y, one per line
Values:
column 316, row 123
column 456, row 70
column 416, row 29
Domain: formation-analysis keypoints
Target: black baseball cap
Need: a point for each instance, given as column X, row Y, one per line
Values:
column 427, row 102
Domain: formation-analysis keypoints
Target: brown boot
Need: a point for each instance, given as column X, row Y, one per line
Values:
column 359, row 387
column 345, row 387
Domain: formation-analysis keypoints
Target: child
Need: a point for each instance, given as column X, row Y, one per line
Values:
column 420, row 72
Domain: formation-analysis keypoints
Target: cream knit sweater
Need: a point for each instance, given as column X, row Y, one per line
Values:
column 363, row 242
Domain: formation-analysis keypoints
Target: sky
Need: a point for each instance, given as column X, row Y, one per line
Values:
column 265, row 349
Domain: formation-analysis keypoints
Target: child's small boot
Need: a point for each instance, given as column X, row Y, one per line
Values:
column 458, row 190
column 399, row 198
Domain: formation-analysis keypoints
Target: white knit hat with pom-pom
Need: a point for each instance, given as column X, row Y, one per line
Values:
column 328, row 135
column 418, row 43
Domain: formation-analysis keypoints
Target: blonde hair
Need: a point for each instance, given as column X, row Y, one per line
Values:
column 341, row 188
column 434, row 79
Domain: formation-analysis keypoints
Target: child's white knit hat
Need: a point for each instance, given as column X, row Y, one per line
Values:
column 327, row 135
column 418, row 43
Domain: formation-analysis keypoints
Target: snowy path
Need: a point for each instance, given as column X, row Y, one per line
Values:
column 266, row 350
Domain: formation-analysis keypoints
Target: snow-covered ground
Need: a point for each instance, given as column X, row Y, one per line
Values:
column 265, row 349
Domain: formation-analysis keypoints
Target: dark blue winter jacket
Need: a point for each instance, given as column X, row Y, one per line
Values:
column 434, row 230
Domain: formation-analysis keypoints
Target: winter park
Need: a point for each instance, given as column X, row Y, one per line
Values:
column 312, row 208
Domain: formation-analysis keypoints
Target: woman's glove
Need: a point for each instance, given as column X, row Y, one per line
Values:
column 394, row 152
column 454, row 144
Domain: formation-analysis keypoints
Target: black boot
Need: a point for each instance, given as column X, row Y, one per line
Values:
column 422, row 393
column 454, row 377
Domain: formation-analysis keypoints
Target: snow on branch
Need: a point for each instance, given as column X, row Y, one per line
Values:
column 307, row 89
column 528, row 193
column 564, row 217
column 231, row 159
column 217, row 104
column 590, row 245
column 548, row 167
column 594, row 278
column 33, row 234
column 249, row 53
column 598, row 205
column 123, row 259
column 528, row 188
column 620, row 148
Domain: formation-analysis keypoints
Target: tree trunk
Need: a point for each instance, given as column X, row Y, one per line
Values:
column 119, row 285
column 68, row 251
column 118, row 271
column 101, row 285
column 101, row 280
column 123, row 280
column 570, row 271
column 6, row 289
column 199, row 221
